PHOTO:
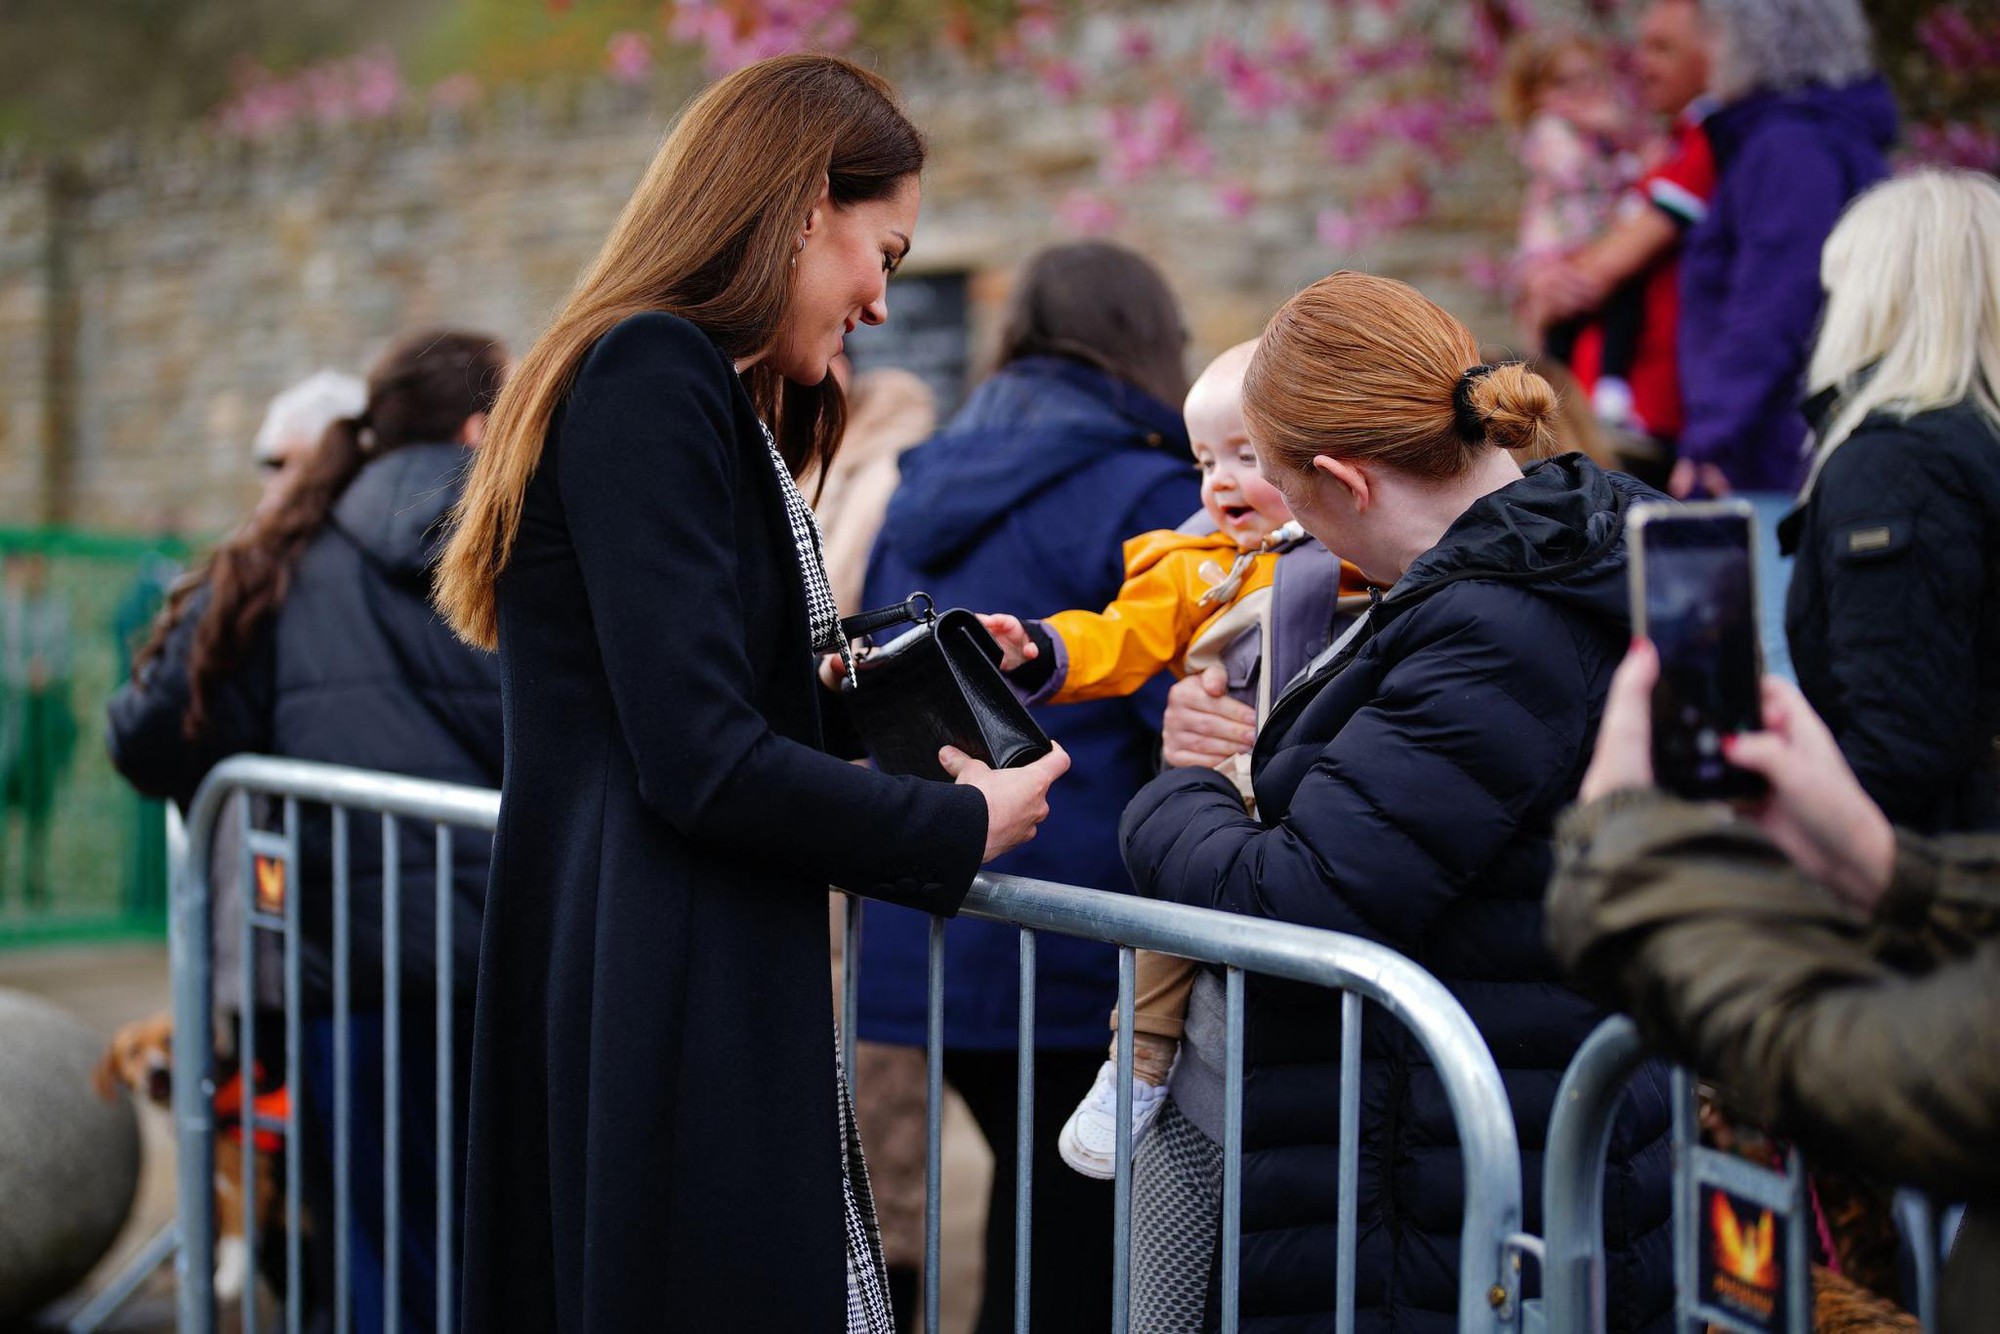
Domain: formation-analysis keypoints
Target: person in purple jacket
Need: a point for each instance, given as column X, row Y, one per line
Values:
column 1802, row 127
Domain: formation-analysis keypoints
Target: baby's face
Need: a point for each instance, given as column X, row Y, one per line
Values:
column 1234, row 493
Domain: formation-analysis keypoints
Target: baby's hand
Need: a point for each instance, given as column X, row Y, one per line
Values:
column 1015, row 645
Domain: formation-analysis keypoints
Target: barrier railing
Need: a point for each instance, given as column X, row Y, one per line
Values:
column 1364, row 972
column 1707, row 1182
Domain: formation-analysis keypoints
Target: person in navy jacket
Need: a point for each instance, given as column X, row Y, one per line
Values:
column 1022, row 504
column 1407, row 785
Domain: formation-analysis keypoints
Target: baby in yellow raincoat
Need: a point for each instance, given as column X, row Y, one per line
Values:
column 1190, row 601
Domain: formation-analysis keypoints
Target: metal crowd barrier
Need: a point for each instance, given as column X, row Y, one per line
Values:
column 1573, row 1299
column 1490, row 1245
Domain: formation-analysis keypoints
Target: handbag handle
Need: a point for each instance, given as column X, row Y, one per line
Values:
column 916, row 607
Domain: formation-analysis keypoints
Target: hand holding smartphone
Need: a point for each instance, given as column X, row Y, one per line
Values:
column 1694, row 596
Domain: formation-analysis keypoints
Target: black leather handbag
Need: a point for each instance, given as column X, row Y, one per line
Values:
column 936, row 684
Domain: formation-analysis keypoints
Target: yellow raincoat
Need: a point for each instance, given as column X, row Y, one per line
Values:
column 1158, row 615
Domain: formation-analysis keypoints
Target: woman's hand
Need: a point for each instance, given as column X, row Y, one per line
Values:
column 1203, row 727
column 1016, row 647
column 1017, row 800
column 1689, row 476
column 832, row 670
column 1624, row 754
column 1816, row 812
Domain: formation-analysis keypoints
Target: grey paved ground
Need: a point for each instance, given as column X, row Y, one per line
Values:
column 107, row 985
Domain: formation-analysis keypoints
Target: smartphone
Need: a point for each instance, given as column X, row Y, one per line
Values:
column 1694, row 594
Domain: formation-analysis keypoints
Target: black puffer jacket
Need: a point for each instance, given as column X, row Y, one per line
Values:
column 356, row 669
column 1407, row 793
column 1894, row 612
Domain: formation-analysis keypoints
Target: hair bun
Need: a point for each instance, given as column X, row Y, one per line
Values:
column 1516, row 407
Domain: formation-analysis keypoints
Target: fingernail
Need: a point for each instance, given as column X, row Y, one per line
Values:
column 1728, row 743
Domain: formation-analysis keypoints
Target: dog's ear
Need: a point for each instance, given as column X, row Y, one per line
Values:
column 105, row 1077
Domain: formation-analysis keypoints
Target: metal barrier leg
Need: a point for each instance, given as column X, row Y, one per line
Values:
column 1232, row 1152
column 343, row 1080
column 1573, row 1295
column 294, row 1086
column 246, row 1050
column 1350, row 1162
column 1024, row 1138
column 392, row 1075
column 190, row 948
column 136, row 1271
column 1121, row 1200
column 443, row 1197
column 933, row 1122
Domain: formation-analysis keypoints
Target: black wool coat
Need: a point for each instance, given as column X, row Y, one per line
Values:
column 1894, row 612
column 1407, row 791
column 654, row 1142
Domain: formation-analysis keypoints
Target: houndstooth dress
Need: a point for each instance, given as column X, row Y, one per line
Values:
column 867, row 1288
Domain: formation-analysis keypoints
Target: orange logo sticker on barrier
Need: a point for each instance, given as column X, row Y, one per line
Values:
column 270, row 885
column 1742, row 1273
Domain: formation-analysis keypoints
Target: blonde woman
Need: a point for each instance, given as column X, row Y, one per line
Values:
column 658, row 1139
column 1894, row 611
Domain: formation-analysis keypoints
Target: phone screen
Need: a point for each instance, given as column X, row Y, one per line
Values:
column 1701, row 615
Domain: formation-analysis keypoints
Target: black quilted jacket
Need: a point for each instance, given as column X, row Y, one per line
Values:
column 1406, row 793
column 1894, row 613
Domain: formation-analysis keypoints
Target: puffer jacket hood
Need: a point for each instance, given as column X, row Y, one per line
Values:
column 395, row 508
column 1036, row 422
column 1557, row 530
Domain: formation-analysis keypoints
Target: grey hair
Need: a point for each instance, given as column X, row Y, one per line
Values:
column 1784, row 45
column 301, row 414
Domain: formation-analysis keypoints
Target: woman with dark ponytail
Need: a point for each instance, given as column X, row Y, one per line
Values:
column 309, row 634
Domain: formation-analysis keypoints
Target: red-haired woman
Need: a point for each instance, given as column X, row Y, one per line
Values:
column 1407, row 788
column 658, row 1137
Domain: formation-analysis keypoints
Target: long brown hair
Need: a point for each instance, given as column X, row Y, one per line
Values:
column 1358, row 367
column 709, row 235
column 1105, row 306
column 420, row 392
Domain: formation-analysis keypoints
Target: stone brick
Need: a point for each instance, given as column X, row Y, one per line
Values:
column 212, row 273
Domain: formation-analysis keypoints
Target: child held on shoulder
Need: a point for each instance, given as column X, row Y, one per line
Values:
column 1190, row 601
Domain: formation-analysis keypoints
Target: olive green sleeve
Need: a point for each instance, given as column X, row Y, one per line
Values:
column 1733, row 962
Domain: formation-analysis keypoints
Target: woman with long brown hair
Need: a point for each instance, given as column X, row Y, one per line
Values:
column 310, row 634
column 658, row 1137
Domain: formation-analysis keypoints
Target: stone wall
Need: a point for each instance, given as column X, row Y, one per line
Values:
column 186, row 281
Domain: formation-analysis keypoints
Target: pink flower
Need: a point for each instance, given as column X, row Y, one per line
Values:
column 375, row 85
column 1235, row 200
column 1061, row 78
column 1088, row 214
column 1957, row 144
column 1337, row 231
column 1135, row 43
column 628, row 58
column 1486, row 272
column 1291, row 47
column 455, row 92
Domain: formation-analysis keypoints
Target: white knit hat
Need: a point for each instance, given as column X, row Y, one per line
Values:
column 301, row 414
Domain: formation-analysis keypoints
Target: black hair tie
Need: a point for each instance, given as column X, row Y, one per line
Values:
column 1465, row 414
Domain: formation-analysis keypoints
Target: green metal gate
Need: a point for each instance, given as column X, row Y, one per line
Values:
column 81, row 855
